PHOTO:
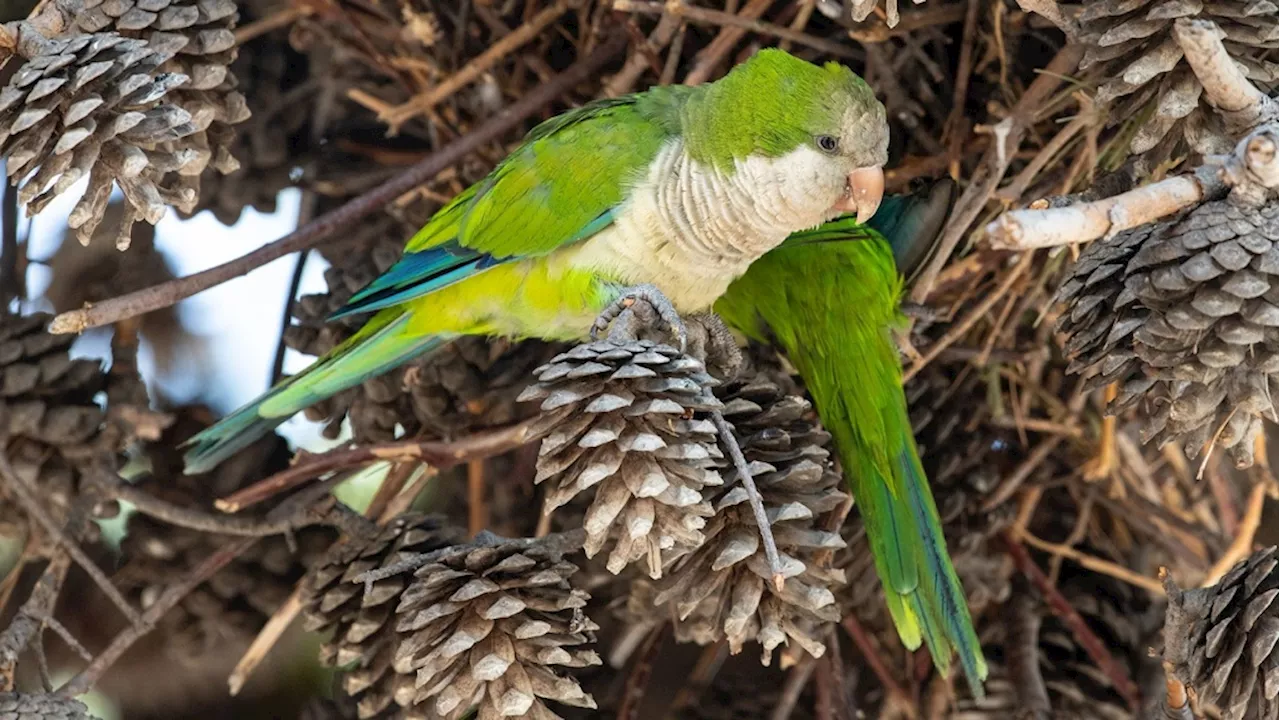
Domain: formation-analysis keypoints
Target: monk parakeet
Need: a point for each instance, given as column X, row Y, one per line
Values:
column 828, row 298
column 677, row 189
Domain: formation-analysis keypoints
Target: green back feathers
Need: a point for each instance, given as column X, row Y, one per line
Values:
column 771, row 104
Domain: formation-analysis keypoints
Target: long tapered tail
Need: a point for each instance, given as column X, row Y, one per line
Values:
column 923, row 593
column 379, row 346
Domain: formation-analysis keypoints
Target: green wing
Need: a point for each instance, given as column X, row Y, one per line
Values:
column 560, row 186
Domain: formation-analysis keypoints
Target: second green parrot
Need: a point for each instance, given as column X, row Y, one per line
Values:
column 829, row 298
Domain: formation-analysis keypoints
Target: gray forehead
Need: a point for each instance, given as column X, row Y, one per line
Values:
column 867, row 129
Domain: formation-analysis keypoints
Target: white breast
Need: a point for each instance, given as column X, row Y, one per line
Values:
column 691, row 230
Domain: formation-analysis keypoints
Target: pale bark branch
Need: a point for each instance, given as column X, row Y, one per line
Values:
column 1031, row 229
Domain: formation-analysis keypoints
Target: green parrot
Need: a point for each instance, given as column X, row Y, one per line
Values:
column 667, row 195
column 829, row 298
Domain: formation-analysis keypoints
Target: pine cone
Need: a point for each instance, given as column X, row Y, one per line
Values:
column 1131, row 43
column 100, row 106
column 620, row 415
column 1182, row 313
column 360, row 634
column 484, row 625
column 22, row 706
column 1222, row 640
column 201, row 33
column 234, row 604
column 48, row 412
column 724, row 588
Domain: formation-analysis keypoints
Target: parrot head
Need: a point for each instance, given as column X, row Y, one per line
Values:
column 814, row 135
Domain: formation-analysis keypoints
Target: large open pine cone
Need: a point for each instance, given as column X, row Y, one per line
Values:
column 1131, row 42
column 483, row 626
column 1182, row 313
column 1224, row 640
column 101, row 106
column 620, row 415
column 724, row 588
column 362, row 638
column 201, row 33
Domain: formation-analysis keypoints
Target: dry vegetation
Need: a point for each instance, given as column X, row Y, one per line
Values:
column 1092, row 372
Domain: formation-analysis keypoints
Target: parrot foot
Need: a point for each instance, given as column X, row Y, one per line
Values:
column 711, row 341
column 753, row 498
column 656, row 302
column 922, row 313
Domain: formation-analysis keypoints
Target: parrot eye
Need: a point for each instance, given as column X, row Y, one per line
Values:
column 828, row 144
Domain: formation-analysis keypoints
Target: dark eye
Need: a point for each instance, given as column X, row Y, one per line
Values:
column 828, row 144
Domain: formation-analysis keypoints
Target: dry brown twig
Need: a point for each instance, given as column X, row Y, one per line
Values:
column 1061, row 607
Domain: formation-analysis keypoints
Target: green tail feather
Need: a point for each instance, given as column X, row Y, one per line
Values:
column 378, row 347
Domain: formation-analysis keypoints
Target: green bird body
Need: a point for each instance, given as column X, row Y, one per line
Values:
column 680, row 188
column 829, row 299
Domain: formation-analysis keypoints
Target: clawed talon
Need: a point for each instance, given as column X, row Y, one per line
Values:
column 656, row 301
column 711, row 341
column 920, row 312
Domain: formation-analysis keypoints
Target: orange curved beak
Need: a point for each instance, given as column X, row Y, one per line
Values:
column 863, row 192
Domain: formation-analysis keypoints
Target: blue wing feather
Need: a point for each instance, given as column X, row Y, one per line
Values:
column 416, row 274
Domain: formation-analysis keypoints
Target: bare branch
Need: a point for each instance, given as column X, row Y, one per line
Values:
column 1031, row 229
column 1225, row 85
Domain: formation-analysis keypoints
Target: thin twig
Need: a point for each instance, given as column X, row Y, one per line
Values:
column 440, row 455
column 1079, row 628
column 625, row 79
column 1096, row 564
column 978, row 312
column 266, row 639
column 1022, row 652
column 995, row 163
column 753, row 496
column 791, row 689
column 283, row 17
column 641, row 670
column 477, row 509
column 1010, row 485
column 169, row 293
column 894, row 694
column 714, row 52
column 1242, row 544
column 706, row 16
column 284, row 615
column 30, row 617
column 30, row 502
column 479, row 65
column 167, row 512
column 295, row 282
column 174, row 594
column 10, row 283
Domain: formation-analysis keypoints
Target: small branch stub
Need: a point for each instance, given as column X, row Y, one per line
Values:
column 1226, row 87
